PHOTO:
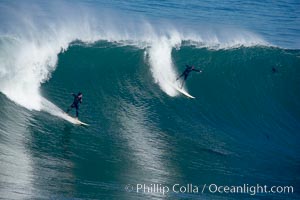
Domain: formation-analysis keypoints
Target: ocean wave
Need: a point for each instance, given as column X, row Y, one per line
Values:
column 32, row 37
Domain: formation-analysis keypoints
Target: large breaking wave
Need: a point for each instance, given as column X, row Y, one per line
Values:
column 32, row 38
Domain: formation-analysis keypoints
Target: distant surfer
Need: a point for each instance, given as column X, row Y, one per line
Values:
column 274, row 70
column 186, row 73
column 75, row 104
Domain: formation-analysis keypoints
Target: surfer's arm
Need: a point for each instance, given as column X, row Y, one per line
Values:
column 74, row 95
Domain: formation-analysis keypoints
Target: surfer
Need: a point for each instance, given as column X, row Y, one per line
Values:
column 75, row 104
column 186, row 73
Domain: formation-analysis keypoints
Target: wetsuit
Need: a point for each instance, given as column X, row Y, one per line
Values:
column 186, row 73
column 75, row 104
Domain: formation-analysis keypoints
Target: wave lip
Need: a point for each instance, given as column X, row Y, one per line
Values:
column 224, row 39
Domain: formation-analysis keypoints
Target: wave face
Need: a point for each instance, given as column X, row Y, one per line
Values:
column 236, row 89
column 241, row 128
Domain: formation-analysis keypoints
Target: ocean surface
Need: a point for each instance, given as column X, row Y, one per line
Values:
column 242, row 129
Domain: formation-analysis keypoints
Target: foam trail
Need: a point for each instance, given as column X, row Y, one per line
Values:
column 52, row 109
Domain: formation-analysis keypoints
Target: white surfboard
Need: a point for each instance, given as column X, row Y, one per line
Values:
column 74, row 120
column 77, row 121
column 182, row 91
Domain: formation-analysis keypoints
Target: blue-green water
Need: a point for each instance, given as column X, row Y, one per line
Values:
column 242, row 128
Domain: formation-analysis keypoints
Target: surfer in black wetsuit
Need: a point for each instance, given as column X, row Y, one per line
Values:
column 75, row 104
column 186, row 73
